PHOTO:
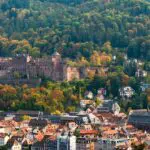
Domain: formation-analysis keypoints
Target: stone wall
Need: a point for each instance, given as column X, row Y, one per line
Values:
column 71, row 73
column 53, row 67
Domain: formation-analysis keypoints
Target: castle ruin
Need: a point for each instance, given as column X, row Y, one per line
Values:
column 23, row 66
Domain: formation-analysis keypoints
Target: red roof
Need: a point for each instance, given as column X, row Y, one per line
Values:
column 88, row 132
column 39, row 136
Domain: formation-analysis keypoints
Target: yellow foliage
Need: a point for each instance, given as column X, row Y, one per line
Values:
column 125, row 80
column 105, row 58
column 83, row 61
column 100, row 58
column 57, row 112
column 26, row 117
column 95, row 58
column 107, row 47
column 91, row 74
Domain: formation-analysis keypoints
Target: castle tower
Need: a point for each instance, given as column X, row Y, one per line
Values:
column 56, row 58
column 20, row 64
column 57, row 66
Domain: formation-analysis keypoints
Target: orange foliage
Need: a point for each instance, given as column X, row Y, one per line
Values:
column 6, row 89
column 57, row 94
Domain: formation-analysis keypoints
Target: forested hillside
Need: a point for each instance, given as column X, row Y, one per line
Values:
column 74, row 28
column 90, row 33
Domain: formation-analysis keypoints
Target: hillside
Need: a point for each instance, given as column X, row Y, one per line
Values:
column 74, row 28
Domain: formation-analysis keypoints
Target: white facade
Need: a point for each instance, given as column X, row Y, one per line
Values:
column 116, row 108
column 66, row 142
column 94, row 119
column 110, row 144
column 126, row 92
column 141, row 73
column 16, row 146
column 3, row 140
column 89, row 95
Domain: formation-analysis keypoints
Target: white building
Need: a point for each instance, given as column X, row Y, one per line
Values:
column 116, row 108
column 66, row 142
column 111, row 144
column 93, row 119
column 3, row 139
column 140, row 73
column 14, row 145
column 84, row 103
column 88, row 95
column 126, row 92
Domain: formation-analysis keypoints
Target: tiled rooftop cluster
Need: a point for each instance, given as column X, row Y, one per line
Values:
column 74, row 131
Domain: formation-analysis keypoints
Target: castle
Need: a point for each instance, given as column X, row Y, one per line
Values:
column 23, row 66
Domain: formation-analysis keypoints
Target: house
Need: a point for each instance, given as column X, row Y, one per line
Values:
column 88, row 95
column 72, row 125
column 84, row 143
column 140, row 118
column 144, row 86
column 66, row 142
column 39, row 136
column 50, row 129
column 106, row 106
column 47, row 143
column 3, row 139
column 101, row 91
column 82, row 118
column 85, row 127
column 110, row 133
column 89, row 133
column 126, row 92
column 38, row 145
column 116, row 108
column 26, row 144
column 67, row 118
column 108, row 118
column 84, row 103
column 112, row 143
column 141, row 73
column 24, row 124
column 93, row 119
column 13, row 144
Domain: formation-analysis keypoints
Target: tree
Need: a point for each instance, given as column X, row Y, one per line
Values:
column 95, row 59
column 139, row 147
column 16, row 75
column 115, row 84
column 3, row 147
column 25, row 117
column 107, row 47
column 125, row 80
column 70, row 109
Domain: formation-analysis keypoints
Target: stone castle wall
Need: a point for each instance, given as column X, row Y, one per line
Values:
column 47, row 67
